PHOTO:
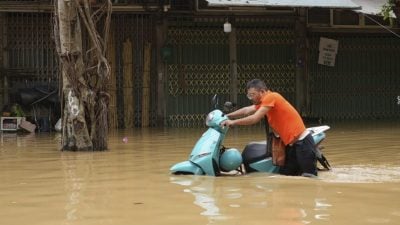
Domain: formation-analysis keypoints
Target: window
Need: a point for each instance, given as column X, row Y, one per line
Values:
column 319, row 16
column 345, row 17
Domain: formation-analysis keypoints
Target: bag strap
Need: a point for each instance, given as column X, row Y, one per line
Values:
column 268, row 136
column 266, row 126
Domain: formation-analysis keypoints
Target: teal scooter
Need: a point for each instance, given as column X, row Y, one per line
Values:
column 210, row 157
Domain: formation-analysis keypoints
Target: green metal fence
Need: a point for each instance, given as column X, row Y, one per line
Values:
column 363, row 84
column 199, row 66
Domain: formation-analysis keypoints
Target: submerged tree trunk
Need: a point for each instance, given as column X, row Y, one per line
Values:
column 84, row 79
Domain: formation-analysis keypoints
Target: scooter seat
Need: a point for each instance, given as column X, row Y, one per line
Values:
column 254, row 152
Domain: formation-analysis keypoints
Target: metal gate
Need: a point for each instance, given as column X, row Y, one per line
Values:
column 138, row 30
column 31, row 62
column 363, row 84
column 32, row 58
column 199, row 66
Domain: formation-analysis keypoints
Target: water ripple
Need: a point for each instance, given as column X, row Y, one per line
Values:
column 362, row 174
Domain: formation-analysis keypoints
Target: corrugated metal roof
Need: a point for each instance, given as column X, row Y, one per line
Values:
column 343, row 4
column 373, row 7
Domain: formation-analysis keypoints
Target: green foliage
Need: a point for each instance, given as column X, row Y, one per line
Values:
column 387, row 10
column 17, row 111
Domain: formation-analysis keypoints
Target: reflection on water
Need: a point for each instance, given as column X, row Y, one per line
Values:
column 131, row 183
column 322, row 209
column 203, row 190
column 75, row 184
column 223, row 204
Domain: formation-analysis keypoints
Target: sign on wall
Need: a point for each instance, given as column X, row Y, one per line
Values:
column 327, row 51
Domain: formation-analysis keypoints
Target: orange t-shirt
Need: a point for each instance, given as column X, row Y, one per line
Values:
column 282, row 117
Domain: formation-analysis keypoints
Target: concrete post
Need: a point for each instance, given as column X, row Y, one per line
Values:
column 233, row 65
column 302, row 93
column 161, row 33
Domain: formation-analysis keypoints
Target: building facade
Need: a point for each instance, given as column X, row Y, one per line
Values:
column 181, row 47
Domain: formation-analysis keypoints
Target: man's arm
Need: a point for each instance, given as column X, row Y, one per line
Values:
column 242, row 111
column 248, row 120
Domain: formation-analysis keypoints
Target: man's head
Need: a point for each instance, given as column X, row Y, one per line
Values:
column 255, row 89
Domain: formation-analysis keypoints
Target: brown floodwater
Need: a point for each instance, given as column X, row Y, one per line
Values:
column 131, row 184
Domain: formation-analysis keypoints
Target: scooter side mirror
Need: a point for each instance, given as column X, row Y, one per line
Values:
column 229, row 106
column 214, row 101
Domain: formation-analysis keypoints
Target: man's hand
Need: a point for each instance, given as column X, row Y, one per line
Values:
column 227, row 123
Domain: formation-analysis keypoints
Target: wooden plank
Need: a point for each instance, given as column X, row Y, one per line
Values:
column 146, row 86
column 129, row 117
column 112, row 88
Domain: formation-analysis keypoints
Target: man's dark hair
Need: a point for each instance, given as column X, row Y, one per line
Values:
column 257, row 84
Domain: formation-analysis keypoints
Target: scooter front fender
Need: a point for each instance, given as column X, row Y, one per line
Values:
column 186, row 167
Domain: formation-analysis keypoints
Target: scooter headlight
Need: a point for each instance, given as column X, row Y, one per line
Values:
column 209, row 118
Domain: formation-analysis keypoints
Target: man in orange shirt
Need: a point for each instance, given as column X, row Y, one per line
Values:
column 285, row 121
